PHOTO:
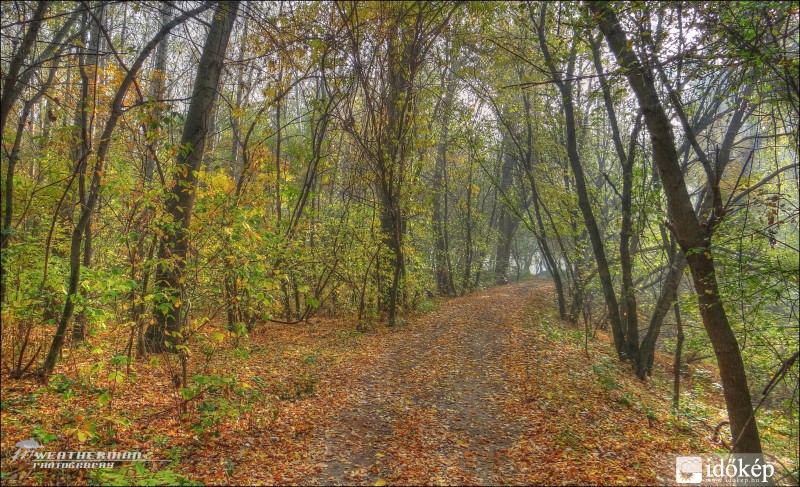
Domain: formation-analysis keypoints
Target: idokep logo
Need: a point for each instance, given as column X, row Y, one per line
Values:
column 688, row 470
column 718, row 469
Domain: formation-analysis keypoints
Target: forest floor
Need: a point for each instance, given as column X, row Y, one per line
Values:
column 490, row 388
column 474, row 394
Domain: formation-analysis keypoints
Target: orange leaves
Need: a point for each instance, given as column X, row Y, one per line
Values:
column 474, row 393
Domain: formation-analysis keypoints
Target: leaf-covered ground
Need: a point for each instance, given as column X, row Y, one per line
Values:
column 484, row 391
column 488, row 389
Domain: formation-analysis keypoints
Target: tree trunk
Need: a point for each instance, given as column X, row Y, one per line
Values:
column 14, row 82
column 694, row 240
column 8, row 192
column 676, row 381
column 596, row 238
column 139, row 272
column 628, row 309
column 506, row 226
column 444, row 277
column 550, row 260
column 666, row 298
column 278, row 140
column 83, row 143
column 241, row 84
column 11, row 79
column 165, row 334
column 157, row 92
column 391, row 229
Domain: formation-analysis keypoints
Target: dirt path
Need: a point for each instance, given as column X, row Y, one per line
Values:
column 443, row 421
column 490, row 389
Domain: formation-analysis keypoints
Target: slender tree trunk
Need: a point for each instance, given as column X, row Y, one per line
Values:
column 138, row 308
column 140, row 271
column 628, row 309
column 666, row 298
column 694, row 240
column 8, row 192
column 507, row 225
column 676, row 382
column 165, row 334
column 10, row 91
column 444, row 276
column 84, row 118
column 157, row 92
column 492, row 218
column 467, row 284
column 241, row 84
column 278, row 140
column 556, row 272
column 550, row 261
column 390, row 227
column 529, row 168
column 596, row 238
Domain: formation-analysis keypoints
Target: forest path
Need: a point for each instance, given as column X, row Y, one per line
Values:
column 430, row 405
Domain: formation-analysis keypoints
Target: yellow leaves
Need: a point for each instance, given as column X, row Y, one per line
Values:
column 116, row 377
column 82, row 432
column 250, row 231
column 380, row 483
column 218, row 183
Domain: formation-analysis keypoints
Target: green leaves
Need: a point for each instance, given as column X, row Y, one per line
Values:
column 116, row 377
column 312, row 302
column 104, row 399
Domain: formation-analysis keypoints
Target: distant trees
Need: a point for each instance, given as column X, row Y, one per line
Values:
column 387, row 67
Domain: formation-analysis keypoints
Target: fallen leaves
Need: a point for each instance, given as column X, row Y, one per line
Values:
column 473, row 393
